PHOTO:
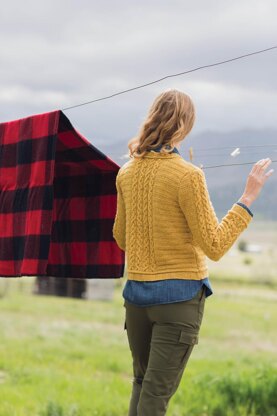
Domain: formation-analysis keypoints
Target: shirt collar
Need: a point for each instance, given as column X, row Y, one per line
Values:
column 175, row 150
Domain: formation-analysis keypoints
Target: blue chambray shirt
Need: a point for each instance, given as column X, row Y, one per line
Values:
column 149, row 293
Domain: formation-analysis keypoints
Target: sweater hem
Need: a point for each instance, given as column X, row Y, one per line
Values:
column 175, row 274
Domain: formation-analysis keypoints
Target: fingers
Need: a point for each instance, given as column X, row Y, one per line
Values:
column 261, row 164
column 255, row 167
column 266, row 163
column 269, row 173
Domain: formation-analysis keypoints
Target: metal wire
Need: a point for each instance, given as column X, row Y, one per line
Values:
column 169, row 76
column 225, row 155
column 234, row 147
column 233, row 164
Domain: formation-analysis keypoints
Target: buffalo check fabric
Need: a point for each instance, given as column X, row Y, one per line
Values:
column 57, row 202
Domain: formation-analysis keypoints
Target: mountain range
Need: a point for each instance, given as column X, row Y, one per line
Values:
column 226, row 184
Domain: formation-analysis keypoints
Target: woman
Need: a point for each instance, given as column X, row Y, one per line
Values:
column 166, row 223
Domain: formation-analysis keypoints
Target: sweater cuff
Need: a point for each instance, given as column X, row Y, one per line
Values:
column 245, row 206
column 242, row 212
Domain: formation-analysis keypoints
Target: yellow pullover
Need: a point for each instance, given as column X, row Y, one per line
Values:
column 166, row 222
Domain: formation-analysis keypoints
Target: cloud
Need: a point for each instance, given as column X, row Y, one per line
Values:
column 56, row 54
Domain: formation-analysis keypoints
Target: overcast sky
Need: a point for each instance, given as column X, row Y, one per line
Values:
column 59, row 53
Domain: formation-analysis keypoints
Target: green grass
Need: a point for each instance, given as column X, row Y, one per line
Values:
column 70, row 357
column 252, row 268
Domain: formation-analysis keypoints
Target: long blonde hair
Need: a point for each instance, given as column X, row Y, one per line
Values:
column 170, row 118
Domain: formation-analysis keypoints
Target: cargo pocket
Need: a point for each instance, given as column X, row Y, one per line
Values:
column 189, row 340
column 171, row 347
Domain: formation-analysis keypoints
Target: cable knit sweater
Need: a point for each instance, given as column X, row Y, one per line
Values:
column 161, row 247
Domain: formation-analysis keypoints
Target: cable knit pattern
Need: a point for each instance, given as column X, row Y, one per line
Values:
column 134, row 215
column 144, row 261
column 166, row 222
column 155, row 167
column 215, row 239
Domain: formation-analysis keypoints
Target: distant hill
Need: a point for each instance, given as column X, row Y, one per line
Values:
column 226, row 184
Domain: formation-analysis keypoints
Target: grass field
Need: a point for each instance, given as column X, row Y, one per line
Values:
column 258, row 268
column 70, row 357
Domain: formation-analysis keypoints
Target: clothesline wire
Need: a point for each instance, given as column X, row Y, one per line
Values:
column 225, row 154
column 169, row 76
column 195, row 155
column 232, row 147
column 233, row 164
column 182, row 73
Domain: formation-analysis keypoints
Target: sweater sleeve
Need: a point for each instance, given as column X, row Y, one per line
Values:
column 245, row 207
column 214, row 237
column 119, row 226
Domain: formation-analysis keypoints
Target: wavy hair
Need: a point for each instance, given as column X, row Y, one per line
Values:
column 169, row 120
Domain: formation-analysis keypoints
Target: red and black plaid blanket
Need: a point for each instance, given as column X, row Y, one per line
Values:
column 57, row 202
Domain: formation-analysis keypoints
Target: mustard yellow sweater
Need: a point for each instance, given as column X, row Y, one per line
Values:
column 165, row 221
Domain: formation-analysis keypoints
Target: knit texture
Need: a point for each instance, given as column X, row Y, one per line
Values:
column 167, row 230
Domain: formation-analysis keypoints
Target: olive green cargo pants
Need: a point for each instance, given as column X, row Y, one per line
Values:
column 161, row 339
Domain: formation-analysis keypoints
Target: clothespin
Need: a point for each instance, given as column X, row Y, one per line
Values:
column 191, row 153
column 235, row 152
